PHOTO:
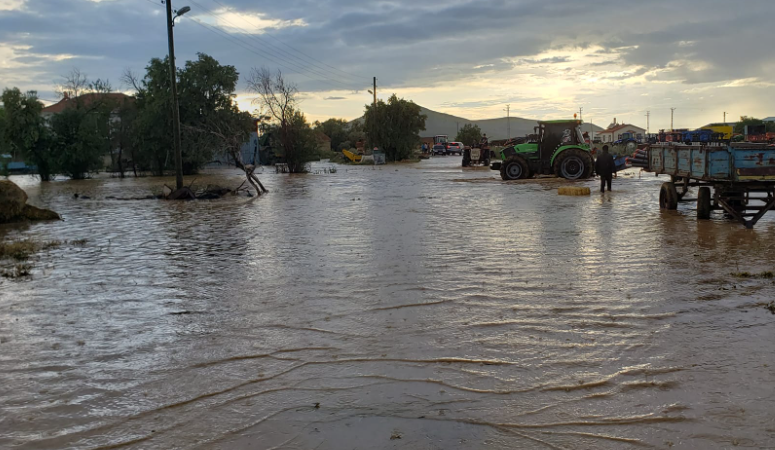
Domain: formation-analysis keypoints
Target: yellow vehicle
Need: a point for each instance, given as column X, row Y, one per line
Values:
column 725, row 130
column 352, row 156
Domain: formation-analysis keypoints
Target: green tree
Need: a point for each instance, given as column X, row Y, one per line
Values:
column 394, row 127
column 80, row 140
column 356, row 134
column 81, row 132
column 751, row 121
column 5, row 146
column 207, row 91
column 336, row 129
column 469, row 134
column 206, row 99
column 26, row 132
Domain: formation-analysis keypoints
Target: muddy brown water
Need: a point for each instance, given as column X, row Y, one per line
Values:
column 390, row 307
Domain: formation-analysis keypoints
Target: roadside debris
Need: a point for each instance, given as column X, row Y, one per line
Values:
column 572, row 190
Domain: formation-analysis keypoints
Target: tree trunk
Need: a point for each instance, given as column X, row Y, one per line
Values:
column 120, row 162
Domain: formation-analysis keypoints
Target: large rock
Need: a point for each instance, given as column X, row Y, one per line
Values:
column 12, row 201
column 14, row 207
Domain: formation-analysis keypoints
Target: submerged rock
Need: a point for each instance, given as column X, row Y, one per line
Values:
column 34, row 213
column 14, row 207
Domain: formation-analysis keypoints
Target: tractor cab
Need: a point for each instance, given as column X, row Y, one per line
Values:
column 440, row 144
column 559, row 148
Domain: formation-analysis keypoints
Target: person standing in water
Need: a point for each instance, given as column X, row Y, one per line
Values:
column 604, row 166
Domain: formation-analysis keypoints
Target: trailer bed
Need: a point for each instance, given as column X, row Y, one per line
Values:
column 736, row 162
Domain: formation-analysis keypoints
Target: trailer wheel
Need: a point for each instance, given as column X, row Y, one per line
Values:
column 668, row 196
column 514, row 168
column 703, row 203
column 573, row 164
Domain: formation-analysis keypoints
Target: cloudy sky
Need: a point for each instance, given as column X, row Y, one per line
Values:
column 546, row 58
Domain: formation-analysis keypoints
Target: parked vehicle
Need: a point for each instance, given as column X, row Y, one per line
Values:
column 455, row 148
column 628, row 140
column 440, row 144
column 559, row 149
column 475, row 156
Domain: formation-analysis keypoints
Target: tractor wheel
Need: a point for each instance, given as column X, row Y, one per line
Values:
column 466, row 158
column 703, row 203
column 514, row 168
column 573, row 164
column 668, row 196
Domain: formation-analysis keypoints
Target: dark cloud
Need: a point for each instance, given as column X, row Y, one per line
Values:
column 335, row 98
column 552, row 60
column 404, row 43
column 603, row 63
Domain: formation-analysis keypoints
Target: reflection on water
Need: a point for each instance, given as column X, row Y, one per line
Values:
column 400, row 306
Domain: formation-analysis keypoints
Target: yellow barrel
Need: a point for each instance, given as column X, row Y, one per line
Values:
column 573, row 190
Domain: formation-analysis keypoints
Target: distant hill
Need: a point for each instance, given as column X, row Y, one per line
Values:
column 441, row 123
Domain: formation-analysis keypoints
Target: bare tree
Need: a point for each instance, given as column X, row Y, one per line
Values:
column 100, row 86
column 279, row 97
column 131, row 79
column 73, row 85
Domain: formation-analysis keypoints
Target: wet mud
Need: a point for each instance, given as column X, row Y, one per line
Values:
column 409, row 306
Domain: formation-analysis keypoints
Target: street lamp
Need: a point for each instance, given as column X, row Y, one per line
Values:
column 174, row 87
column 181, row 11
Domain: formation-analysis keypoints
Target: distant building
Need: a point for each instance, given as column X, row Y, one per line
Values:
column 769, row 119
column 116, row 98
column 615, row 130
column 323, row 141
column 85, row 100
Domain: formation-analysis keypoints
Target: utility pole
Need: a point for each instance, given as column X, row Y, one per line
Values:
column 725, row 117
column 648, row 122
column 175, row 108
column 373, row 113
column 508, row 121
column 581, row 116
column 672, row 110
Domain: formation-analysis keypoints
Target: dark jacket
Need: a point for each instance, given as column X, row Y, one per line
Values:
column 604, row 166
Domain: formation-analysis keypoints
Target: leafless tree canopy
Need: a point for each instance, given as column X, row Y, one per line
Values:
column 131, row 79
column 279, row 98
column 73, row 84
column 275, row 94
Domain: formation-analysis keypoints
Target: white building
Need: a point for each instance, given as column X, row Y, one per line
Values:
column 615, row 130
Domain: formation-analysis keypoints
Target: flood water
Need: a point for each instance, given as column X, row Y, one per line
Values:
column 415, row 306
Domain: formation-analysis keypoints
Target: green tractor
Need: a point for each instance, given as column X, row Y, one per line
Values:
column 558, row 148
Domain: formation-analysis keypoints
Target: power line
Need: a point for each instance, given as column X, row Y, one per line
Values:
column 309, row 58
column 273, row 55
column 252, row 50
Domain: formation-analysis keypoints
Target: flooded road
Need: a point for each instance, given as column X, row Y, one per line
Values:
column 415, row 306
